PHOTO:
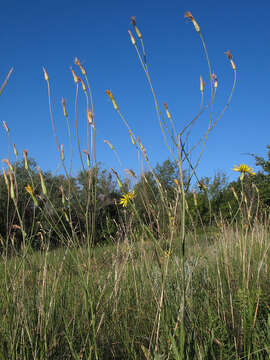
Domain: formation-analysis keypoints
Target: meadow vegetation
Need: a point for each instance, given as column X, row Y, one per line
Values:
column 157, row 265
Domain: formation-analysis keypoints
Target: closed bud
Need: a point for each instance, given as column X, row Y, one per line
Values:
column 45, row 74
column 202, row 84
column 87, row 158
column 5, row 126
column 62, row 152
column 167, row 111
column 64, row 107
column 132, row 38
column 15, row 150
column 44, row 190
column 117, row 179
column 5, row 177
column 109, row 144
column 80, row 66
column 75, row 77
column 25, row 159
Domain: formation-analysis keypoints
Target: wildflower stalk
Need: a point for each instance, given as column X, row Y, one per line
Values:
column 50, row 110
column 244, row 170
column 182, row 255
column 211, row 107
column 93, row 170
column 114, row 151
column 63, row 101
column 55, row 134
column 76, row 116
column 161, row 119
column 6, row 80
column 8, row 133
column 220, row 115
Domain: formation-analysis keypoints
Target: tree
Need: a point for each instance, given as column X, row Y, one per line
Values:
column 262, row 178
column 96, row 210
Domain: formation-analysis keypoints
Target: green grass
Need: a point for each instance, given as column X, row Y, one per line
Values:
column 68, row 303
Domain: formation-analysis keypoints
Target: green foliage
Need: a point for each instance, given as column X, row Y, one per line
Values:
column 69, row 303
column 60, row 215
column 97, row 199
column 262, row 179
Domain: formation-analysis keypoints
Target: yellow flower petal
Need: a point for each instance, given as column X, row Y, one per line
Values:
column 244, row 169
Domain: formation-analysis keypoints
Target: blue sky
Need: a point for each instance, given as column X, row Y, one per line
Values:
column 52, row 33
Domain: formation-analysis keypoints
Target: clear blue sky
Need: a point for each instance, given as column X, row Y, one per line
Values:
column 52, row 33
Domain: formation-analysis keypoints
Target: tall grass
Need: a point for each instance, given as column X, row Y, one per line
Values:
column 163, row 291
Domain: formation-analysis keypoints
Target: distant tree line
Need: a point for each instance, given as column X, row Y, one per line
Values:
column 85, row 208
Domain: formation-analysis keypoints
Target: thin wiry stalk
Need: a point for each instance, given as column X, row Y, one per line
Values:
column 6, row 80
column 76, row 121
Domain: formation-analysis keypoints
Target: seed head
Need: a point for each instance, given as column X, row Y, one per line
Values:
column 131, row 137
column 215, row 80
column 45, row 74
column 62, row 193
column 229, row 55
column 109, row 93
column 15, row 150
column 133, row 21
column 62, row 152
column 87, row 157
column 6, row 161
column 25, row 159
column 5, row 177
column 83, row 84
column 75, row 77
column 135, row 27
column 43, row 186
column 90, row 117
column 131, row 173
column 5, row 126
column 202, row 84
column 64, row 107
column 12, row 193
column 132, row 38
column 167, row 111
column 77, row 62
column 117, row 179
column 109, row 144
column 189, row 16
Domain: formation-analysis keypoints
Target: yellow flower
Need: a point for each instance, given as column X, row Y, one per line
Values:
column 244, row 169
column 126, row 198
column 167, row 253
column 29, row 190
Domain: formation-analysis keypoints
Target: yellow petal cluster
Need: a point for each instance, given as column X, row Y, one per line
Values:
column 244, row 169
column 126, row 198
column 29, row 189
